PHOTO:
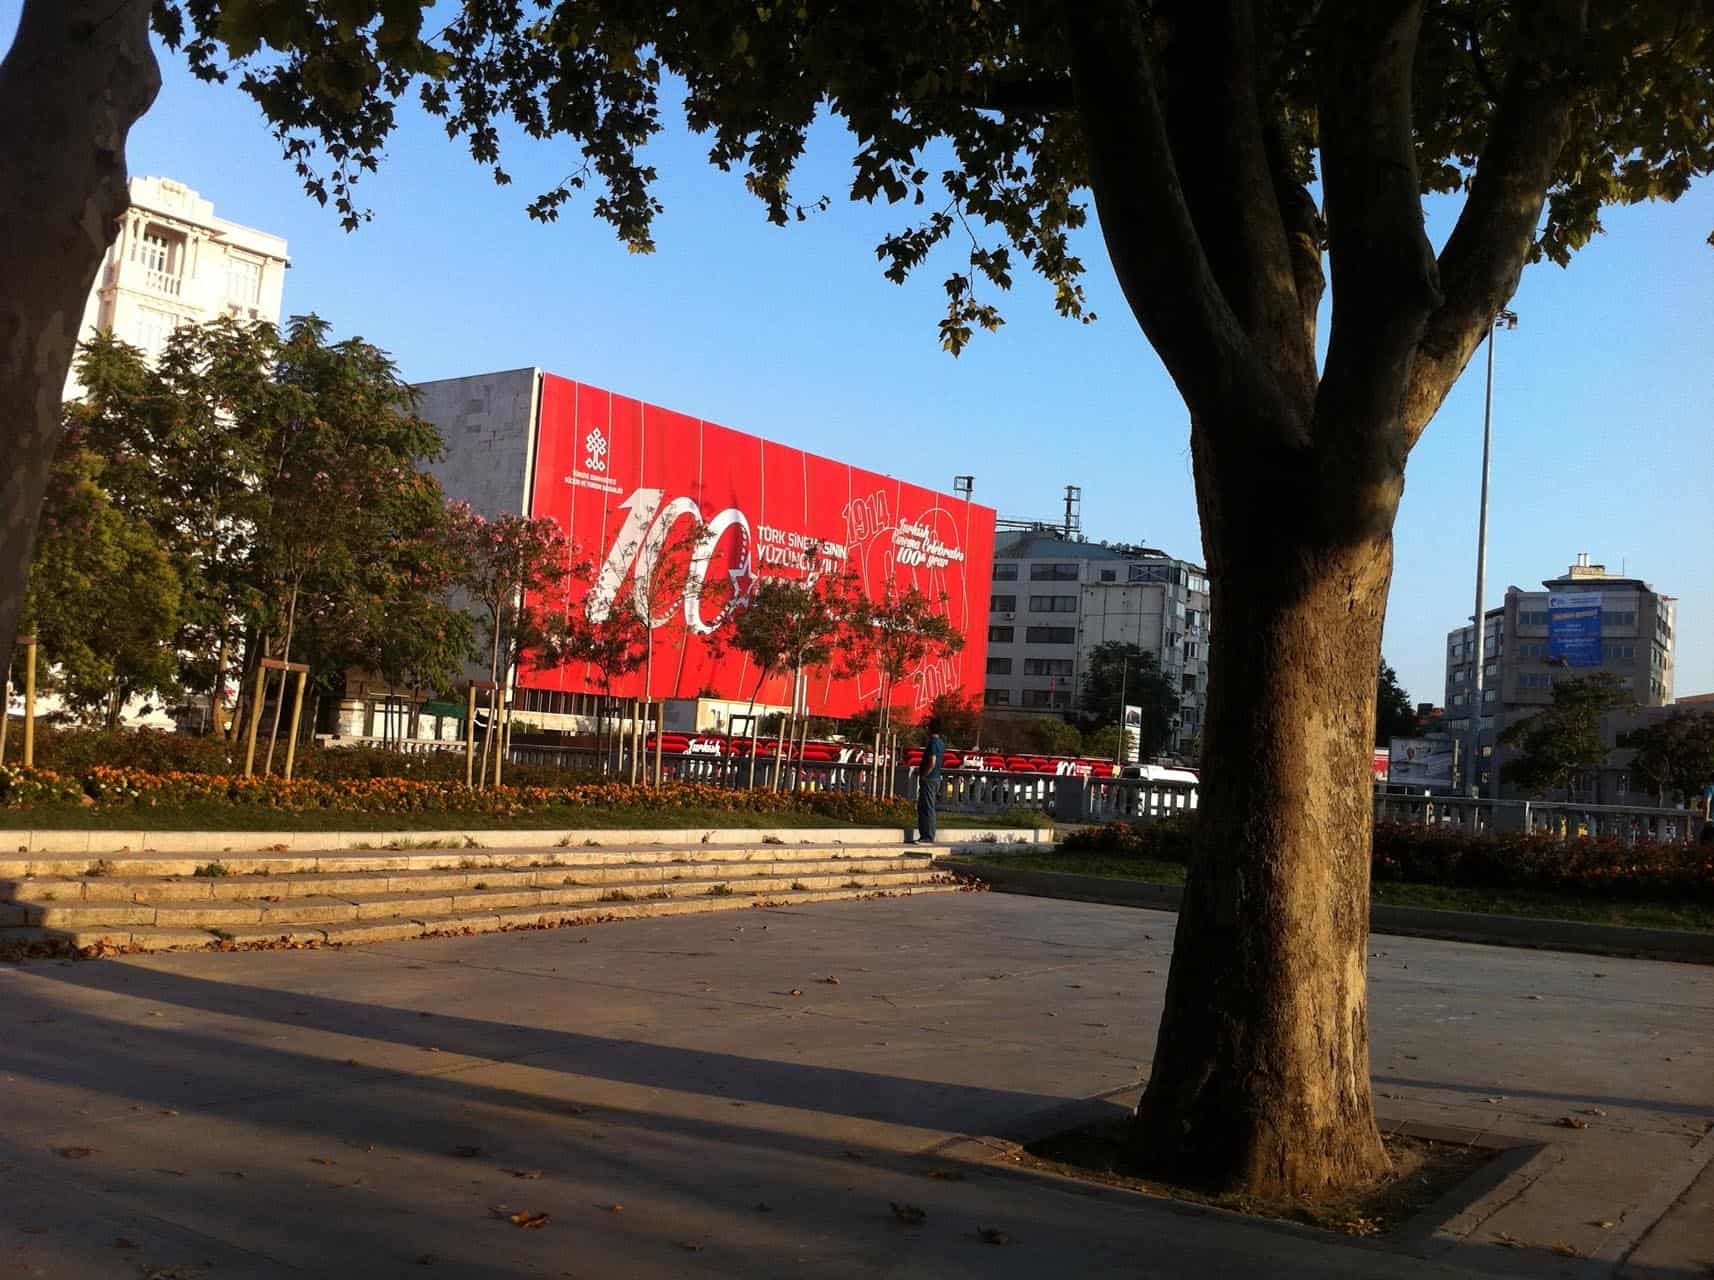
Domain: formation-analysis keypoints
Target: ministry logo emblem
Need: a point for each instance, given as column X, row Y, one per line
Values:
column 595, row 451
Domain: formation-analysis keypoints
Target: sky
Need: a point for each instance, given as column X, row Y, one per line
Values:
column 1603, row 418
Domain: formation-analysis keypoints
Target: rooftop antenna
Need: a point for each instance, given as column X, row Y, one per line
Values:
column 1073, row 518
column 964, row 486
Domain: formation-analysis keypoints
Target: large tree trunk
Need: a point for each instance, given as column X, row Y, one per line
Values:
column 78, row 75
column 1260, row 1080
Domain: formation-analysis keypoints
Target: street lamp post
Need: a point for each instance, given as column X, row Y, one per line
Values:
column 1473, row 778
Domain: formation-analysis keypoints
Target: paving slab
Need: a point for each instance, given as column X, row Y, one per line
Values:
column 692, row 1096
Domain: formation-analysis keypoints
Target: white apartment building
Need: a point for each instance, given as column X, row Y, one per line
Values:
column 1055, row 599
column 174, row 262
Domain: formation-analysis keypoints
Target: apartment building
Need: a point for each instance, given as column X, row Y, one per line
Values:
column 1628, row 631
column 174, row 262
column 1056, row 598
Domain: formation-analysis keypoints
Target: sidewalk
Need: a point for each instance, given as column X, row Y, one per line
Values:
column 652, row 1085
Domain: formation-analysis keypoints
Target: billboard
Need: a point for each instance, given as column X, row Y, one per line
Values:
column 1574, row 627
column 1420, row 762
column 626, row 480
column 1133, row 733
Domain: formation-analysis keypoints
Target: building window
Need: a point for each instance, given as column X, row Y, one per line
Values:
column 1005, row 571
column 1155, row 573
column 1052, row 698
column 1053, row 604
column 997, row 697
column 999, row 635
column 1458, row 699
column 1002, row 604
column 1053, row 572
column 243, row 282
column 1189, row 685
column 1532, row 680
column 1049, row 666
column 999, row 666
column 1619, row 618
column 1109, row 575
column 1050, row 635
column 152, row 331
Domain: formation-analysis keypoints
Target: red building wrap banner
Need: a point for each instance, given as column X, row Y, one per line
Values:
column 631, row 484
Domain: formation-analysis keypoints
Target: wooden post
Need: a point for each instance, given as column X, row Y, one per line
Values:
column 297, row 713
column 470, row 737
column 29, row 701
column 502, row 717
column 255, row 719
column 660, row 720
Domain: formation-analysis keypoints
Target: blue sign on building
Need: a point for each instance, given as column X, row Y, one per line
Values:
column 1574, row 628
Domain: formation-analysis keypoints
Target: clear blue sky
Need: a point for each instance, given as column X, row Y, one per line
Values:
column 1604, row 436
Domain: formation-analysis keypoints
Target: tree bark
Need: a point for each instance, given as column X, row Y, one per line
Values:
column 1260, row 1080
column 78, row 75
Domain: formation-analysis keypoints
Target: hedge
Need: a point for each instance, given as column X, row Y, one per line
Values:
column 1403, row 852
column 111, row 786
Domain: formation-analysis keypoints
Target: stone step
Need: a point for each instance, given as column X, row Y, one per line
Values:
column 129, row 865
column 579, row 870
column 231, row 915
column 158, row 937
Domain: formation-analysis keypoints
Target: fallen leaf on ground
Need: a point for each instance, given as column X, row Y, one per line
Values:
column 1566, row 1251
column 122, row 1243
column 521, row 1217
column 1606, row 1224
column 525, row 1173
column 794, row 992
column 948, row 1175
column 76, row 1153
column 612, row 1208
column 830, row 980
column 467, row 1152
column 1571, row 1122
column 910, row 1213
column 690, row 1246
column 1591, row 1111
column 177, row 1173
column 321, row 1160
column 1507, row 1241
column 993, row 1235
column 1499, row 1097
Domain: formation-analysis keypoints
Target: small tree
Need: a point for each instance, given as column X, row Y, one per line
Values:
column 1105, row 742
column 896, row 634
column 613, row 648
column 500, row 562
column 1565, row 737
column 960, row 718
column 1395, row 717
column 1121, row 675
column 103, row 596
column 1676, row 755
column 1051, row 736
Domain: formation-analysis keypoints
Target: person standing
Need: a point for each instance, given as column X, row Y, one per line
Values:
column 928, row 781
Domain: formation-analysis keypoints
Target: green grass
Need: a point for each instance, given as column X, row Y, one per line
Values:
column 1501, row 902
column 1551, row 906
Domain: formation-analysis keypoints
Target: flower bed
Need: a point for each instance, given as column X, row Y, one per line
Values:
column 1407, row 853
column 111, row 786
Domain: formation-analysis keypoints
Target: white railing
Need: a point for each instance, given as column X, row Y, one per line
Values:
column 1562, row 819
column 163, row 281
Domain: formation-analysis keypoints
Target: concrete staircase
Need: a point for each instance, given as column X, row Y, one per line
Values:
column 75, row 902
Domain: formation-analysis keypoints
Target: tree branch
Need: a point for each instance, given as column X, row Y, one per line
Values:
column 1385, row 282
column 1146, row 222
column 1214, row 93
column 1486, row 252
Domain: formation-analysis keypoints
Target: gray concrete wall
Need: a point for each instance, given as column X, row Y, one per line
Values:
column 486, row 423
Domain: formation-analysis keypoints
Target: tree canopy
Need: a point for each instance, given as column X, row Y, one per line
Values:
column 1395, row 717
column 1562, row 739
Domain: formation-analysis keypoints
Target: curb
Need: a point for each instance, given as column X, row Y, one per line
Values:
column 1421, row 922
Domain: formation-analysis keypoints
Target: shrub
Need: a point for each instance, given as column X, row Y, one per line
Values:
column 1405, row 852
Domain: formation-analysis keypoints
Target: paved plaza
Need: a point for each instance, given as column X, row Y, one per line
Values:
column 746, row 1094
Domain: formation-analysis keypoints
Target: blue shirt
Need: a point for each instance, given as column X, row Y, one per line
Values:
column 933, row 752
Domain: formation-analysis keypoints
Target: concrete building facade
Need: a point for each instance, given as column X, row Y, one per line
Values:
column 175, row 262
column 1637, row 634
column 1055, row 599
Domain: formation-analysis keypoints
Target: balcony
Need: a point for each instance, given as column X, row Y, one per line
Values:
column 162, row 282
